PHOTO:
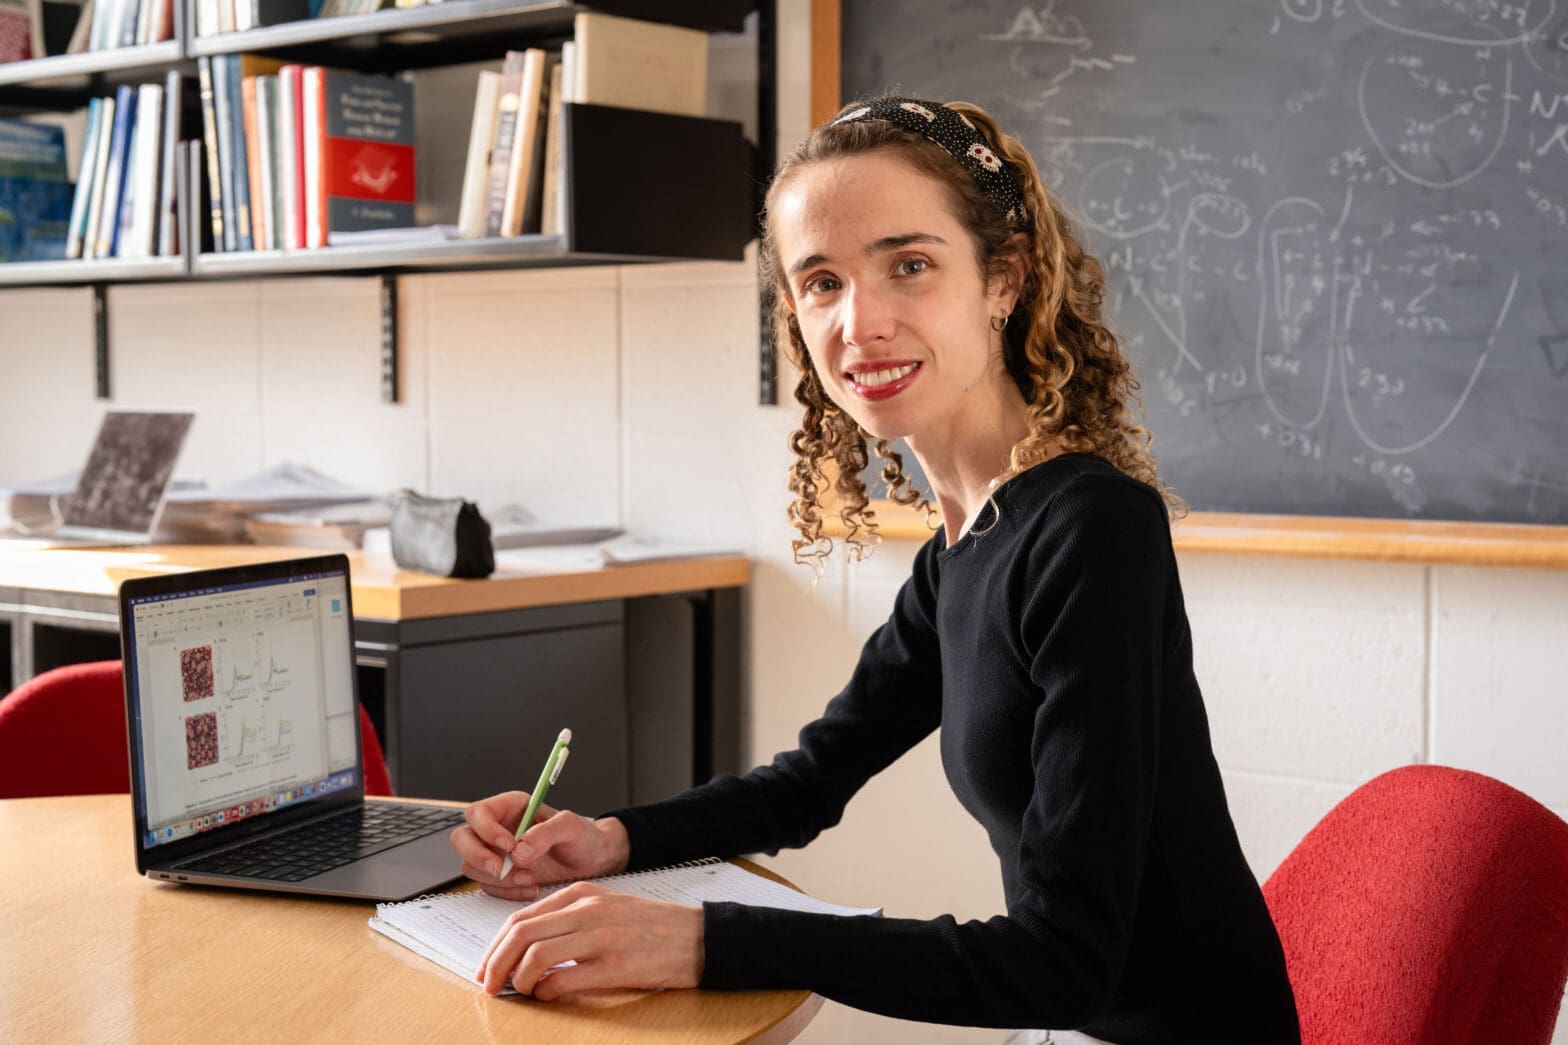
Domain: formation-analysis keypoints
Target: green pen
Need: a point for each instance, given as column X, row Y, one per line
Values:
column 547, row 776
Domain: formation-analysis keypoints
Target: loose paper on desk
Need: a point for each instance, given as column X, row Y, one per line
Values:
column 455, row 929
column 625, row 550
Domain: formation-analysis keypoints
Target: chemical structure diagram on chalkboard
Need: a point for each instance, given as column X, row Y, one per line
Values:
column 1335, row 232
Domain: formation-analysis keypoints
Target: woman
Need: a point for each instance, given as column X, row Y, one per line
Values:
column 932, row 290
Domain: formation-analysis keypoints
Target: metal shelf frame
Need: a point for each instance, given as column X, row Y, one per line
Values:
column 452, row 32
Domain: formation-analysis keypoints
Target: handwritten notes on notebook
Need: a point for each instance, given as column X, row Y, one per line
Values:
column 454, row 929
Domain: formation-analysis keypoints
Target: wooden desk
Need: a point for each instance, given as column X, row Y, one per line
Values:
column 89, row 951
column 459, row 676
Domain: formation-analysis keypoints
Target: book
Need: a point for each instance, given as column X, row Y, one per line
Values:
column 35, row 192
column 226, row 190
column 114, row 176
column 81, row 202
column 310, row 149
column 363, row 132
column 552, row 211
column 168, row 215
column 190, row 218
column 124, row 35
column 455, row 929
column 162, row 21
column 19, row 24
column 139, row 222
column 239, row 68
column 229, row 72
column 106, row 16
column 258, row 155
column 523, row 162
column 269, row 122
column 289, row 110
column 209, row 120
column 100, row 173
column 506, row 116
column 476, row 173
column 633, row 64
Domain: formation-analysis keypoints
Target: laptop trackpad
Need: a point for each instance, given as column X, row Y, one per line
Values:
column 421, row 866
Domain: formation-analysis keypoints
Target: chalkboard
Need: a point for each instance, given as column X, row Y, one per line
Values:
column 1336, row 231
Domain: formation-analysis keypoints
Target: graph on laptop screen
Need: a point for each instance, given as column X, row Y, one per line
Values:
column 246, row 700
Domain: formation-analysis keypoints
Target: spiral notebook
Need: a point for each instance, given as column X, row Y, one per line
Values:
column 455, row 929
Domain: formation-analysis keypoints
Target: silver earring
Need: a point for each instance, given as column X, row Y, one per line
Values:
column 999, row 323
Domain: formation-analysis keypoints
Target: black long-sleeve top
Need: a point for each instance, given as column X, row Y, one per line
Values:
column 1051, row 646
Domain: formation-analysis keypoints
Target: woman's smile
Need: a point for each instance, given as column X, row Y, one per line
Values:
column 881, row 380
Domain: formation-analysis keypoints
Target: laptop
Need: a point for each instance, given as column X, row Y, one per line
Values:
column 120, row 493
column 242, row 713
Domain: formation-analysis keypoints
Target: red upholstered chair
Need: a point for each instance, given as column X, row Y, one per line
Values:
column 63, row 733
column 1430, row 906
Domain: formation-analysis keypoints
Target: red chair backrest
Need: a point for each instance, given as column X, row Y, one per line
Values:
column 1430, row 906
column 63, row 733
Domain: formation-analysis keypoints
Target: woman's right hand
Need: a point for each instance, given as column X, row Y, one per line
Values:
column 560, row 846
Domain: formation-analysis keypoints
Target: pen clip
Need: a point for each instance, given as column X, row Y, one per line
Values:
column 559, row 762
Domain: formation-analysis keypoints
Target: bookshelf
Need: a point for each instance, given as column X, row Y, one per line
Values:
column 118, row 65
column 694, row 212
column 446, row 33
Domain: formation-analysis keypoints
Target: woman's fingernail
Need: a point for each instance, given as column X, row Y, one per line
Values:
column 522, row 851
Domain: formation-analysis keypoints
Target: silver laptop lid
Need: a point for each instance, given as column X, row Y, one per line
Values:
column 241, row 700
column 126, row 478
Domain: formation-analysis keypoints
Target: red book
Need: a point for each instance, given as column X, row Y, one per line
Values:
column 359, row 150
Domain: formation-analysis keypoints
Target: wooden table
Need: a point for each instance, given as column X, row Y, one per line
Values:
column 465, row 678
column 90, row 951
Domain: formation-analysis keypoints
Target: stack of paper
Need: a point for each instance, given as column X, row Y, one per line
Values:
column 339, row 526
column 220, row 513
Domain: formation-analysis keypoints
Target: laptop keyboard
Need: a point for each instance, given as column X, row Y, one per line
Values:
column 311, row 849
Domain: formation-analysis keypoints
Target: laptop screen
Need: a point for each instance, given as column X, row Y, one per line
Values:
column 127, row 473
column 242, row 700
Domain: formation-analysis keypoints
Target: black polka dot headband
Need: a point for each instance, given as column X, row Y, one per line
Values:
column 962, row 140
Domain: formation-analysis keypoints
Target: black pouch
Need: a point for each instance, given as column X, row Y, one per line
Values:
column 446, row 537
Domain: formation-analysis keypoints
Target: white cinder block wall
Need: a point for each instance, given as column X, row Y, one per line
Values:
column 628, row 395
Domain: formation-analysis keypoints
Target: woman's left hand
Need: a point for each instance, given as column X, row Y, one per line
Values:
column 616, row 940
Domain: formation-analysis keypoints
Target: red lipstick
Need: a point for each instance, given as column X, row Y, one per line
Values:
column 870, row 381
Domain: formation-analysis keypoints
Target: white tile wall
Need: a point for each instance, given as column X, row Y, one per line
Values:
column 1500, row 653
column 629, row 395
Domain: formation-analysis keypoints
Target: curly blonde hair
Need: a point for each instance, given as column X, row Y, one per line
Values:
column 1068, row 364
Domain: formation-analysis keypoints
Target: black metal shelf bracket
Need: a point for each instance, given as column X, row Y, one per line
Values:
column 101, row 340
column 389, row 337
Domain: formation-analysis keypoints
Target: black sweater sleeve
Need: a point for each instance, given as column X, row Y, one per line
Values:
column 1090, row 586
column 892, row 702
